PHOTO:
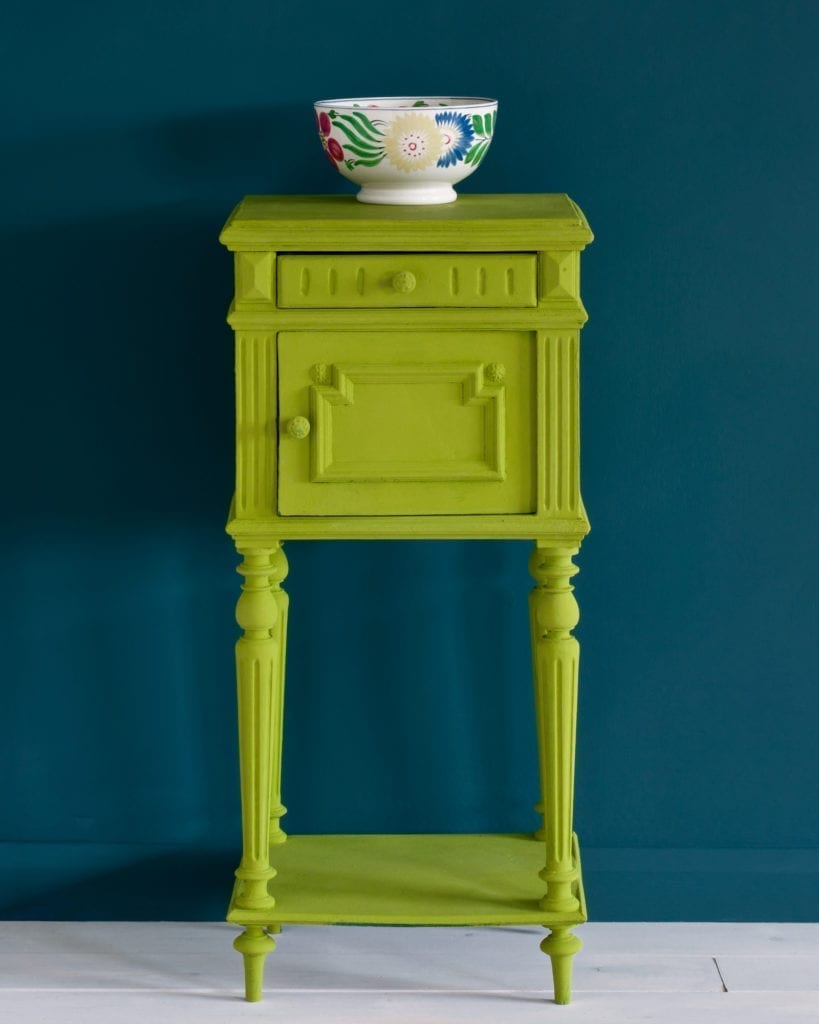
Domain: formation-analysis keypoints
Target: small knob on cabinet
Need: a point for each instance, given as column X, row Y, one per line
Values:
column 298, row 427
column 404, row 282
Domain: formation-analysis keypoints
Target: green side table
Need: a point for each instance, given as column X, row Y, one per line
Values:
column 406, row 372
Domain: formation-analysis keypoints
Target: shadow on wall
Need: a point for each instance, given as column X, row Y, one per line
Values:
column 123, row 166
column 175, row 885
column 120, row 466
column 124, row 410
column 267, row 150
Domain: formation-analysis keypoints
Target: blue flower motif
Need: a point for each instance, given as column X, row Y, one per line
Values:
column 456, row 136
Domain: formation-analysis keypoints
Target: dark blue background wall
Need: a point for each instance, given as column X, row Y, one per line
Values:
column 687, row 132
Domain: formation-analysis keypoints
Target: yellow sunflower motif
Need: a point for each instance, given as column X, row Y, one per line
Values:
column 413, row 142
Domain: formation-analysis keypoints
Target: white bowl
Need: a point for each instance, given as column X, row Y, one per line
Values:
column 406, row 150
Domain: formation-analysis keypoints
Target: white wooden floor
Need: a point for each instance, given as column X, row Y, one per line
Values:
column 147, row 973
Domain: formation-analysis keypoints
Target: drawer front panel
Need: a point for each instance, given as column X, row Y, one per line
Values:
column 406, row 423
column 410, row 280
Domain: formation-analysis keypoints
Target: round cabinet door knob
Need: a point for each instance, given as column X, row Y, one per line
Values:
column 404, row 282
column 298, row 427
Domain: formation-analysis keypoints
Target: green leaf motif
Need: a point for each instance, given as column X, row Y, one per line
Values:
column 356, row 139
column 365, row 151
column 475, row 154
column 477, row 123
column 366, row 163
column 365, row 126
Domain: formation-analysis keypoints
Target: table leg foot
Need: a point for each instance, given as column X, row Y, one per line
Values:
column 254, row 944
column 561, row 945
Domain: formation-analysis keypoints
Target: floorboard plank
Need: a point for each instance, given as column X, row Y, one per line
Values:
column 415, row 968
column 130, row 972
column 668, row 938
column 392, row 1008
column 792, row 973
column 686, row 938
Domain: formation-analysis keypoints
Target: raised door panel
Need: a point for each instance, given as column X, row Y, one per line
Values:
column 406, row 423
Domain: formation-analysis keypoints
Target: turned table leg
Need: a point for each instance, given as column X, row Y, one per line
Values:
column 259, row 683
column 254, row 944
column 561, row 945
column 555, row 655
column 279, row 568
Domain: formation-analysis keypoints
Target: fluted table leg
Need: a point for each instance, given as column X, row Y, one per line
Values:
column 554, row 613
column 277, row 809
column 259, row 683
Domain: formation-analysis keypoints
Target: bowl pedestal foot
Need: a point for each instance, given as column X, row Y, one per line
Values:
column 405, row 194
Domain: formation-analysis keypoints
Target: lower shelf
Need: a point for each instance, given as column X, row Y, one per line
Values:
column 408, row 879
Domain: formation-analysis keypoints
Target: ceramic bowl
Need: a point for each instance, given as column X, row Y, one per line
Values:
column 406, row 150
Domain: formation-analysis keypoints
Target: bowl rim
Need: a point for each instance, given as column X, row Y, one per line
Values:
column 401, row 103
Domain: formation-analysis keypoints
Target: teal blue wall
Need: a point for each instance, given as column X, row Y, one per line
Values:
column 687, row 132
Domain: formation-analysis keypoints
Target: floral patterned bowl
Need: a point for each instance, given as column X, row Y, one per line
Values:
column 406, row 150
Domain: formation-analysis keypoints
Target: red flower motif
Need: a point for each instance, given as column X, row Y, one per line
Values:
column 334, row 149
column 325, row 125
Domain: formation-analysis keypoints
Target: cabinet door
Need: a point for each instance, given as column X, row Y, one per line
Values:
column 406, row 423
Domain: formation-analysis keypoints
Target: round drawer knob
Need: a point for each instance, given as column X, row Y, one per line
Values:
column 404, row 282
column 298, row 427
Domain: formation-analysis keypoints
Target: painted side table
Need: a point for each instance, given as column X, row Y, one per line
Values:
column 406, row 372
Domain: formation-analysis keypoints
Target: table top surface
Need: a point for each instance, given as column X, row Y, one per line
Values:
column 299, row 222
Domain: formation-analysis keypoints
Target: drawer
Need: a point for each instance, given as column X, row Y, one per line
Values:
column 407, row 280
column 406, row 423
